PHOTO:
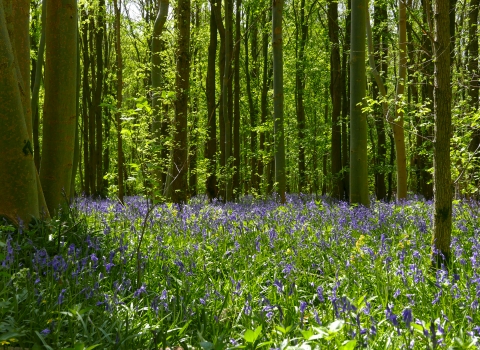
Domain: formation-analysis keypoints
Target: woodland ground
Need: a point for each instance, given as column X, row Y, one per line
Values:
column 254, row 274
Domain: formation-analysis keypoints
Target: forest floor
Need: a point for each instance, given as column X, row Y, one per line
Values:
column 255, row 274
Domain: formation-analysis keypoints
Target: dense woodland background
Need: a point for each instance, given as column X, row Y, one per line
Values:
column 177, row 99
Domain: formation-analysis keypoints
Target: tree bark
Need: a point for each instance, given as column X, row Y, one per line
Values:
column 159, row 128
column 381, row 51
column 442, row 222
column 236, row 104
column 398, row 124
column 18, row 186
column 358, row 121
column 60, row 108
column 211, row 147
column 335, row 93
column 277, row 44
column 179, row 182
column 118, row 50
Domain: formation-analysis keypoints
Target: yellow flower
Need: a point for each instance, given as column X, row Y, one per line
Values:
column 49, row 321
column 288, row 251
column 400, row 245
column 4, row 342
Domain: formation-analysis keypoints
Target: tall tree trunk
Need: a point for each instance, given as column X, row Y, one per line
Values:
column 60, row 108
column 302, row 31
column 335, row 76
column 225, row 102
column 18, row 188
column 346, row 105
column 76, row 150
column 85, row 99
column 442, row 221
column 358, row 121
column 236, row 104
column 381, row 51
column 397, row 124
column 251, row 105
column 211, row 147
column 427, row 92
column 179, row 183
column 99, row 33
column 36, row 90
column 20, row 39
column 277, row 44
column 264, row 106
column 118, row 49
column 159, row 128
column 474, row 145
column 192, row 163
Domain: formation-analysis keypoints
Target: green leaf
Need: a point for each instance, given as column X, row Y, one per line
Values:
column 249, row 336
column 307, row 334
column 348, row 345
column 335, row 326
column 9, row 335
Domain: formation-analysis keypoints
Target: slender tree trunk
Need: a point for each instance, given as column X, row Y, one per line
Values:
column 427, row 132
column 36, row 90
column 264, row 106
column 158, row 129
column 60, row 108
column 381, row 51
column 335, row 80
column 346, row 105
column 85, row 99
column 211, row 147
column 442, row 222
column 91, row 108
column 251, row 105
column 192, row 163
column 225, row 102
column 118, row 50
column 302, row 31
column 358, row 121
column 397, row 124
column 277, row 44
column 98, row 94
column 179, row 183
column 474, row 145
column 236, row 104
column 76, row 150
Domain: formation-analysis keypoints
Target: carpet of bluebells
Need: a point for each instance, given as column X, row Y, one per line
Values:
column 311, row 274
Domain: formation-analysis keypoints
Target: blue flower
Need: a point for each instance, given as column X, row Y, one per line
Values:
column 142, row 290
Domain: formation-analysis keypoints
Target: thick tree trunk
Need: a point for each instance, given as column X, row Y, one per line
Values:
column 179, row 182
column 358, row 121
column 211, row 147
column 18, row 187
column 277, row 44
column 60, row 108
column 442, row 222
column 335, row 81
